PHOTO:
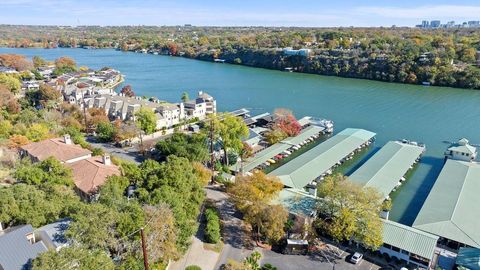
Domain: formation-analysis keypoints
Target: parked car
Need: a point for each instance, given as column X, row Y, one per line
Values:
column 356, row 258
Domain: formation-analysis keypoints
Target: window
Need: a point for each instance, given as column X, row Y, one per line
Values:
column 395, row 249
column 405, row 252
column 387, row 246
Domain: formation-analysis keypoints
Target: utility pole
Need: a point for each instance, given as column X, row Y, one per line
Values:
column 144, row 248
column 84, row 111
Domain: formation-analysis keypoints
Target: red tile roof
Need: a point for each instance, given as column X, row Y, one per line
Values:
column 56, row 148
column 89, row 174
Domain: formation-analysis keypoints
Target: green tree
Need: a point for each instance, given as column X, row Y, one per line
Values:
column 193, row 147
column 230, row 130
column 50, row 172
column 185, row 97
column 105, row 131
column 173, row 182
column 37, row 132
column 38, row 61
column 73, row 258
column 146, row 120
column 252, row 196
column 94, row 227
column 27, row 204
column 12, row 83
column 348, row 211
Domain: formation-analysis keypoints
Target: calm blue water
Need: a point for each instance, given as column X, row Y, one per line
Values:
column 394, row 111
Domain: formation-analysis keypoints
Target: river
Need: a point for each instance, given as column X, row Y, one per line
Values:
column 430, row 115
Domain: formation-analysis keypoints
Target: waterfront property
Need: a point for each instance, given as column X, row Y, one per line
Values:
column 320, row 160
column 408, row 244
column 386, row 169
column 168, row 114
column 451, row 208
column 270, row 152
column 461, row 150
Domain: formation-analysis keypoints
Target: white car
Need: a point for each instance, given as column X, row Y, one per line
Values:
column 356, row 258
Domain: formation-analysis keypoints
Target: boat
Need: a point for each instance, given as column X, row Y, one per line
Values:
column 288, row 69
column 426, row 83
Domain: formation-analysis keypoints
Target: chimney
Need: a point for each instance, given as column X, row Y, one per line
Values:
column 106, row 160
column 67, row 139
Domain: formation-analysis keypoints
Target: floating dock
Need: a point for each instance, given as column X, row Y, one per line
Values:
column 386, row 169
column 319, row 160
column 276, row 149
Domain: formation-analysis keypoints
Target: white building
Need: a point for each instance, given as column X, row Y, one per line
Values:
column 461, row 150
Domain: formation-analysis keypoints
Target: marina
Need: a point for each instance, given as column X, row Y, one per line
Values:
column 322, row 159
column 385, row 171
column 392, row 110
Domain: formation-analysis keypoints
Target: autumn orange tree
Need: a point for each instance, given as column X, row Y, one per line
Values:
column 252, row 195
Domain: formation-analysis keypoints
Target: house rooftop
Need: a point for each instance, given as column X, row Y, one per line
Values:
column 450, row 210
column 57, row 148
column 384, row 170
column 316, row 161
column 16, row 250
column 89, row 174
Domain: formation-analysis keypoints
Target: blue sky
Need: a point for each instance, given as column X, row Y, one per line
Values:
column 236, row 12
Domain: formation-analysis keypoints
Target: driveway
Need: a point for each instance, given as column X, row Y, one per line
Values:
column 197, row 254
column 236, row 244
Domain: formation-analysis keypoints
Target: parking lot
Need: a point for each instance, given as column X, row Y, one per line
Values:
column 317, row 260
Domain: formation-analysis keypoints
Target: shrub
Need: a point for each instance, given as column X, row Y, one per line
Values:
column 193, row 267
column 212, row 230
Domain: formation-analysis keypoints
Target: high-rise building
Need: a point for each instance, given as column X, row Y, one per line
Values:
column 435, row 24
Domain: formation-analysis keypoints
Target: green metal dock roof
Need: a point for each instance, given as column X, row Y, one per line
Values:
column 313, row 163
column 387, row 166
column 451, row 208
column 269, row 152
column 410, row 239
column 296, row 201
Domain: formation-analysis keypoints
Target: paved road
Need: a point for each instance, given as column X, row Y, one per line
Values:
column 313, row 262
column 128, row 153
column 233, row 233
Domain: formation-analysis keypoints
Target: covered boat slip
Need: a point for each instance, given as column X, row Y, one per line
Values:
column 451, row 208
column 386, row 168
column 270, row 152
column 407, row 243
column 318, row 160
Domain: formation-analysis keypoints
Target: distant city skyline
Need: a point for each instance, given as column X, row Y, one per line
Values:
column 237, row 13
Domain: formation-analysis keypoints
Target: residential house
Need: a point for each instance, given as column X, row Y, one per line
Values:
column 18, row 247
column 211, row 103
column 91, row 173
column 53, row 234
column 62, row 149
